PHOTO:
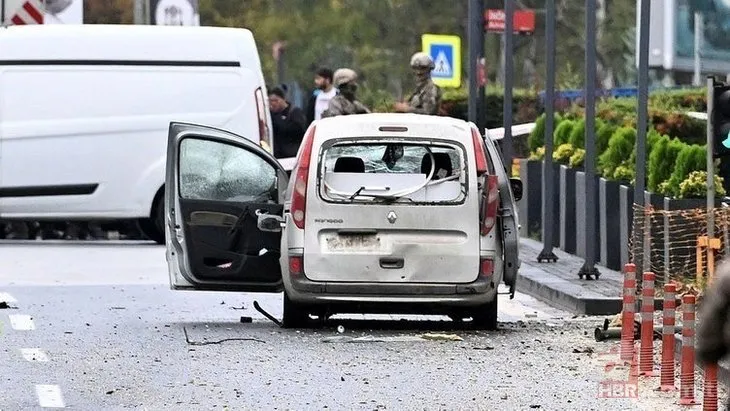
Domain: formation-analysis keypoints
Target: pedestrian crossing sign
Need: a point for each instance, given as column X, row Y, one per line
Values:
column 445, row 50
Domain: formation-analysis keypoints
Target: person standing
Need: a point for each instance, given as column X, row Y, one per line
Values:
column 427, row 97
column 288, row 121
column 713, row 331
column 345, row 103
column 325, row 91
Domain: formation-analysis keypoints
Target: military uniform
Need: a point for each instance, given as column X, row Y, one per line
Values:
column 345, row 102
column 341, row 106
column 426, row 99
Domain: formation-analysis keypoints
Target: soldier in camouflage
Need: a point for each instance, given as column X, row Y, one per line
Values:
column 345, row 102
column 427, row 97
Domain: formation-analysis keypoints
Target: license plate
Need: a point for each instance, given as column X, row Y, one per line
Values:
column 346, row 242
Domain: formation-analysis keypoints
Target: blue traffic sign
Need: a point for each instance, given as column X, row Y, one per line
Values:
column 445, row 50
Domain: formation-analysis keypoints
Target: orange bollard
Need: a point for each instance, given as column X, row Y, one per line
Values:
column 646, row 351
column 709, row 397
column 667, row 374
column 687, row 372
column 627, row 317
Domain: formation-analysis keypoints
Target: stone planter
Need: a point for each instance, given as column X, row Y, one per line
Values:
column 556, row 206
column 581, row 237
column 609, row 227
column 530, row 207
column 566, row 200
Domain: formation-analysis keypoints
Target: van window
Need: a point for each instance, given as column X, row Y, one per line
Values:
column 383, row 172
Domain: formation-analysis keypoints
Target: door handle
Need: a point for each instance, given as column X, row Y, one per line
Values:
column 392, row 263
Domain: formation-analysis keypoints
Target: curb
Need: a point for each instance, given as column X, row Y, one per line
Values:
column 723, row 369
column 562, row 294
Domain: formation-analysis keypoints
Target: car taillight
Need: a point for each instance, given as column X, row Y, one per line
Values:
column 490, row 204
column 486, row 267
column 479, row 153
column 296, row 265
column 263, row 121
column 299, row 194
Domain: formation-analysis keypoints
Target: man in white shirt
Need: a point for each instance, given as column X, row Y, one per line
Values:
column 321, row 97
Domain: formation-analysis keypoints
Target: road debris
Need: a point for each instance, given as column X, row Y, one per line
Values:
column 266, row 314
column 442, row 337
column 187, row 340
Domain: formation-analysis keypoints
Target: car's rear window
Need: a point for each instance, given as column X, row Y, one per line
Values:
column 383, row 172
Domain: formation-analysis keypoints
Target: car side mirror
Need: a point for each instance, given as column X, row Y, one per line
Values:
column 517, row 188
column 270, row 223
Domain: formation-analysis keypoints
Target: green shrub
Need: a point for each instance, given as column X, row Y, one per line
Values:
column 577, row 134
column 578, row 158
column 538, row 154
column 620, row 146
column 695, row 185
column 562, row 132
column 563, row 153
column 603, row 135
column 625, row 172
column 691, row 158
column 537, row 136
column 662, row 158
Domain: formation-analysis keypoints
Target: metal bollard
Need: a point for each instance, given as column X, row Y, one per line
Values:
column 646, row 351
column 687, row 372
column 709, row 397
column 667, row 373
column 627, row 318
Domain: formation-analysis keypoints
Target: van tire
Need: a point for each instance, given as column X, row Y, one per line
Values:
column 154, row 227
column 484, row 317
column 295, row 315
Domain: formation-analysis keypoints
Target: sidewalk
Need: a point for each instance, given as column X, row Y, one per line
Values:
column 558, row 283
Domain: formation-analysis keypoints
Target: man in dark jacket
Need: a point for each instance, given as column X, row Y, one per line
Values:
column 713, row 333
column 289, row 124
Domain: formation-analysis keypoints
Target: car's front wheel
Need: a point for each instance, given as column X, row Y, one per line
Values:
column 484, row 317
column 295, row 315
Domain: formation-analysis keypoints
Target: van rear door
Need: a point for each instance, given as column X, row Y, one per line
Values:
column 218, row 183
column 393, row 210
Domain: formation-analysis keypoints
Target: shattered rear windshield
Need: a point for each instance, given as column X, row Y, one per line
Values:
column 388, row 172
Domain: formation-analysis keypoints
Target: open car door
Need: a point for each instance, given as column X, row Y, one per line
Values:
column 217, row 184
column 508, row 220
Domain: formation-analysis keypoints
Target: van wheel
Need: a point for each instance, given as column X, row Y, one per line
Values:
column 484, row 317
column 154, row 228
column 295, row 315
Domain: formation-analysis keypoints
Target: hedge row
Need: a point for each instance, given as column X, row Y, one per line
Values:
column 675, row 168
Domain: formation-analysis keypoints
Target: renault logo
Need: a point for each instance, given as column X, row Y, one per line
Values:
column 392, row 217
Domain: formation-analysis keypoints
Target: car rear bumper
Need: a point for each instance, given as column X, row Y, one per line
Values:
column 303, row 290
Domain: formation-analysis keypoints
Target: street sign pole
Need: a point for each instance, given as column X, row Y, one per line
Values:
column 509, row 11
column 589, row 266
column 699, row 29
column 475, row 30
column 710, row 160
column 548, row 188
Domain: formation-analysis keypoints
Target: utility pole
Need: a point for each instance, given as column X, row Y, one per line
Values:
column 548, row 189
column 139, row 9
column 474, row 32
column 509, row 12
column 699, row 29
column 589, row 266
column 710, row 160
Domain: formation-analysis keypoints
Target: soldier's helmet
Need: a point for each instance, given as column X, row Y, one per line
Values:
column 343, row 76
column 422, row 61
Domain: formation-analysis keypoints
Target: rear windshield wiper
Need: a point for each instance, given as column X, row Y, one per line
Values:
column 363, row 188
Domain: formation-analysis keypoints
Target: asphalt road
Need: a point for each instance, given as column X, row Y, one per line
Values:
column 94, row 326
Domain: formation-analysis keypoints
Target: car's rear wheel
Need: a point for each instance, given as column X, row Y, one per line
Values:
column 484, row 317
column 295, row 315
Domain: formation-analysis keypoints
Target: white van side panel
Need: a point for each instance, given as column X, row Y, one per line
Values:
column 106, row 126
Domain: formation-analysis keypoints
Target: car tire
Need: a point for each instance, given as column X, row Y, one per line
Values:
column 295, row 315
column 484, row 317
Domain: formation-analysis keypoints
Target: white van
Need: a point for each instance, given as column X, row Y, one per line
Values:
column 383, row 212
column 85, row 109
